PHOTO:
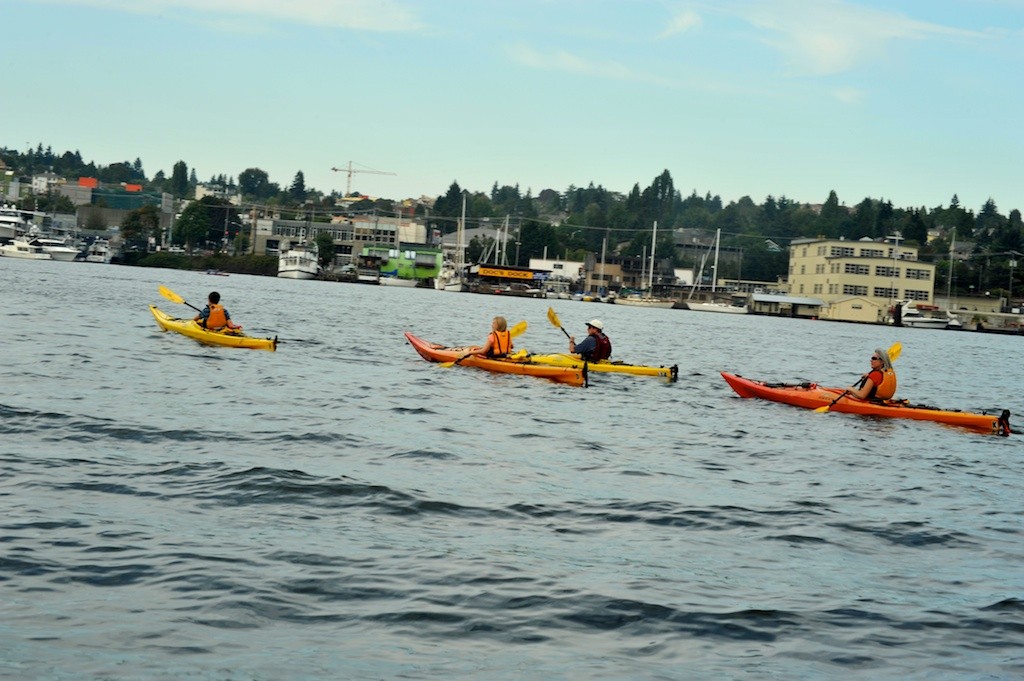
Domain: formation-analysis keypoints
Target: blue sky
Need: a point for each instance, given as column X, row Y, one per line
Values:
column 910, row 101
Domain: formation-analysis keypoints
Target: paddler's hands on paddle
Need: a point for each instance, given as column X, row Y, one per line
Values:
column 864, row 388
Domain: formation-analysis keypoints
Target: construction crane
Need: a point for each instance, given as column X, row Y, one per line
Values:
column 350, row 170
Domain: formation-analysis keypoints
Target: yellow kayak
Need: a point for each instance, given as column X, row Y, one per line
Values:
column 604, row 365
column 187, row 327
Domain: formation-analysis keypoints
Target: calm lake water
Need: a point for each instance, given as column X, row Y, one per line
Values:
column 341, row 509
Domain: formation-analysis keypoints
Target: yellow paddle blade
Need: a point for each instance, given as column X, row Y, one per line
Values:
column 446, row 365
column 553, row 318
column 518, row 329
column 170, row 295
column 894, row 351
column 822, row 410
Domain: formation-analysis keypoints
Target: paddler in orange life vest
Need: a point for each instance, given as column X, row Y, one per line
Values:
column 215, row 316
column 596, row 346
column 880, row 382
column 499, row 341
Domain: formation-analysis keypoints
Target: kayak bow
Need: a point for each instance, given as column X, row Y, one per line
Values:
column 813, row 396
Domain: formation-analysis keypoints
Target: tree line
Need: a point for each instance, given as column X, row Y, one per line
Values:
column 593, row 219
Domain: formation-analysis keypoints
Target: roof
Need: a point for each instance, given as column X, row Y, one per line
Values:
column 791, row 300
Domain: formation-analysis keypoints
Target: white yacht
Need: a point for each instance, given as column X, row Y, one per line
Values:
column 57, row 248
column 922, row 316
column 99, row 251
column 298, row 262
column 20, row 247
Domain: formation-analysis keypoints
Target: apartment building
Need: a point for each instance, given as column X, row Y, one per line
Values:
column 859, row 280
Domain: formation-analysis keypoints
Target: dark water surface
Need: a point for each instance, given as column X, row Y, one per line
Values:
column 343, row 509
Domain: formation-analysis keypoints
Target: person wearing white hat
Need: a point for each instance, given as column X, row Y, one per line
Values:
column 595, row 346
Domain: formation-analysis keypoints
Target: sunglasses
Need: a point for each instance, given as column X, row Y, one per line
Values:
column 876, row 359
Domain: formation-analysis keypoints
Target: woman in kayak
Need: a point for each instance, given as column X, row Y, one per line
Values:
column 596, row 346
column 880, row 382
column 499, row 341
column 215, row 316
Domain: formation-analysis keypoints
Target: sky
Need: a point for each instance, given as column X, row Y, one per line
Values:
column 911, row 101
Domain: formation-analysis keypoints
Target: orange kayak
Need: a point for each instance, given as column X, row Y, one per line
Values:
column 813, row 396
column 432, row 352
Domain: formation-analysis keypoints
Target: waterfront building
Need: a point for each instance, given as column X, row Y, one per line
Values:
column 859, row 280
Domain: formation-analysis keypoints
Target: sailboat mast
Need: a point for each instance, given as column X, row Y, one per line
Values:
column 949, row 279
column 714, row 270
column 654, row 240
column 460, row 257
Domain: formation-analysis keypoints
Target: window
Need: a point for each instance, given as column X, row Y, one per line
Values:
column 872, row 253
column 841, row 252
column 851, row 290
column 883, row 292
column 853, row 268
column 916, row 295
column 885, row 271
column 817, row 288
column 819, row 269
column 918, row 274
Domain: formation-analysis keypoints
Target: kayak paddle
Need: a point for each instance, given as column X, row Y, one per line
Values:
column 894, row 351
column 555, row 321
column 516, row 330
column 175, row 298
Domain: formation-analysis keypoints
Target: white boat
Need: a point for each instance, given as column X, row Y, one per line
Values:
column 298, row 262
column 921, row 316
column 716, row 307
column 20, row 247
column 99, row 251
column 452, row 276
column 57, row 248
column 398, row 281
column 12, row 223
column 645, row 301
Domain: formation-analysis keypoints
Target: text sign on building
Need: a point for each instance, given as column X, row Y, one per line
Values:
column 506, row 274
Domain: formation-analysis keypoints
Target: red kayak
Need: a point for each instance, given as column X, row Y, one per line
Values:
column 813, row 396
column 432, row 352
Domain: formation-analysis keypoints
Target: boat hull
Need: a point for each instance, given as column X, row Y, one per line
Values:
column 716, row 307
column 190, row 329
column 646, row 302
column 432, row 352
column 813, row 396
column 399, row 282
column 603, row 366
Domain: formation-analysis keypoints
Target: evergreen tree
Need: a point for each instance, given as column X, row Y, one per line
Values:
column 298, row 189
column 179, row 180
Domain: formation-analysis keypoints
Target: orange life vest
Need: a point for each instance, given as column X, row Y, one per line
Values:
column 217, row 319
column 502, row 343
column 886, row 388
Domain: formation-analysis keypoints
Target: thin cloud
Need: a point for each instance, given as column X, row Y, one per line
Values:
column 560, row 60
column 848, row 95
column 681, row 23
column 830, row 36
column 366, row 15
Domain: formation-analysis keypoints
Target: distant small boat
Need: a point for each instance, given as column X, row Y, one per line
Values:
column 645, row 301
column 398, row 281
column 922, row 316
column 217, row 273
column 716, row 307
